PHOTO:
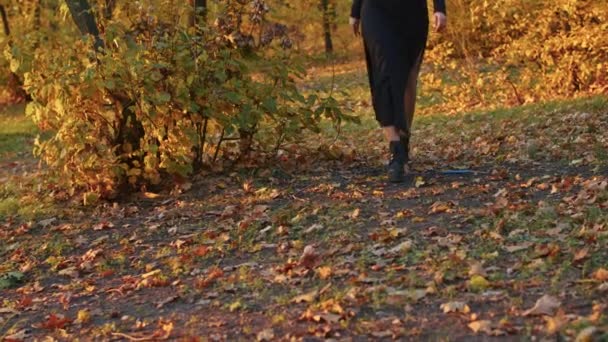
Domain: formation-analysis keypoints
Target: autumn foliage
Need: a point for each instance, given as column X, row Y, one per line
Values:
column 167, row 98
column 514, row 52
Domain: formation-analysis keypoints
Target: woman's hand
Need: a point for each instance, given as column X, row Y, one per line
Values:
column 441, row 21
column 356, row 25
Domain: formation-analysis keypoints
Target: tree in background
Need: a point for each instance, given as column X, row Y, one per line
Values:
column 328, row 9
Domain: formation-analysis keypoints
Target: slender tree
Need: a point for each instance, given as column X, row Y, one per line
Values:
column 14, row 82
column 7, row 28
column 83, row 17
column 329, row 13
column 108, row 9
column 199, row 15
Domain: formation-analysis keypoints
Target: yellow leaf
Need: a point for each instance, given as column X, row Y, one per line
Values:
column 481, row 326
column 324, row 272
column 306, row 297
column 460, row 307
column 478, row 282
column 83, row 316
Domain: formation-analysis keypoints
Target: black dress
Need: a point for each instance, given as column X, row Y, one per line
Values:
column 395, row 34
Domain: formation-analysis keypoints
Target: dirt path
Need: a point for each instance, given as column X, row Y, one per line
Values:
column 317, row 249
column 386, row 257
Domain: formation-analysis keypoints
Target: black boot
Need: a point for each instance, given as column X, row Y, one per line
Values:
column 405, row 142
column 396, row 167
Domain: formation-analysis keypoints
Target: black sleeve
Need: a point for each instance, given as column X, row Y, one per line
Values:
column 440, row 6
column 356, row 9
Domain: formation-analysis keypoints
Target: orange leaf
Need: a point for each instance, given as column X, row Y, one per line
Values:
column 55, row 322
column 601, row 274
column 581, row 254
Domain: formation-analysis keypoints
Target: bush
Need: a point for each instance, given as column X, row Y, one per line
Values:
column 162, row 97
column 511, row 52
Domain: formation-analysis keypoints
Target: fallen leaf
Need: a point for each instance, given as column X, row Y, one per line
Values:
column 151, row 195
column 477, row 269
column 327, row 317
column 265, row 335
column 483, row 326
column 517, row 248
column 306, row 297
column 309, row 257
column 403, row 247
column 315, row 227
column 19, row 336
column 83, row 317
column 419, row 182
column 460, row 307
column 546, row 305
column 324, row 272
column 586, row 335
column 150, row 274
column 103, row 225
column 167, row 301
column 54, row 322
column 71, row 272
column 47, row 222
column 581, row 254
column 478, row 282
column 555, row 323
column 601, row 275
column 9, row 310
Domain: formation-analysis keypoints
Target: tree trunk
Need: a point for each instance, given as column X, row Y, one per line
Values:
column 37, row 13
column 199, row 16
column 82, row 14
column 129, row 130
column 14, row 82
column 7, row 28
column 327, row 20
column 108, row 10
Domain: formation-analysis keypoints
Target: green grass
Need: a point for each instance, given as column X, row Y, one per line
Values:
column 16, row 133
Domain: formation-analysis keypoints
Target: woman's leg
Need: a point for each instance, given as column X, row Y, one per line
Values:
column 410, row 102
column 391, row 133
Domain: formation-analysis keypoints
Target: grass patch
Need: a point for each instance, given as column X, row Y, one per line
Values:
column 16, row 132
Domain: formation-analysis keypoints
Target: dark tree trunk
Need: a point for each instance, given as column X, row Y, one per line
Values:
column 37, row 13
column 130, row 130
column 108, row 10
column 327, row 21
column 200, row 12
column 82, row 14
column 7, row 28
column 14, row 82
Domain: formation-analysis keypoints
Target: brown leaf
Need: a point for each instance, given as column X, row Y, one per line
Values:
column 403, row 247
column 265, row 335
column 546, row 305
column 309, row 257
column 477, row 269
column 517, row 248
column 581, row 254
column 306, row 297
column 19, row 336
column 103, row 225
